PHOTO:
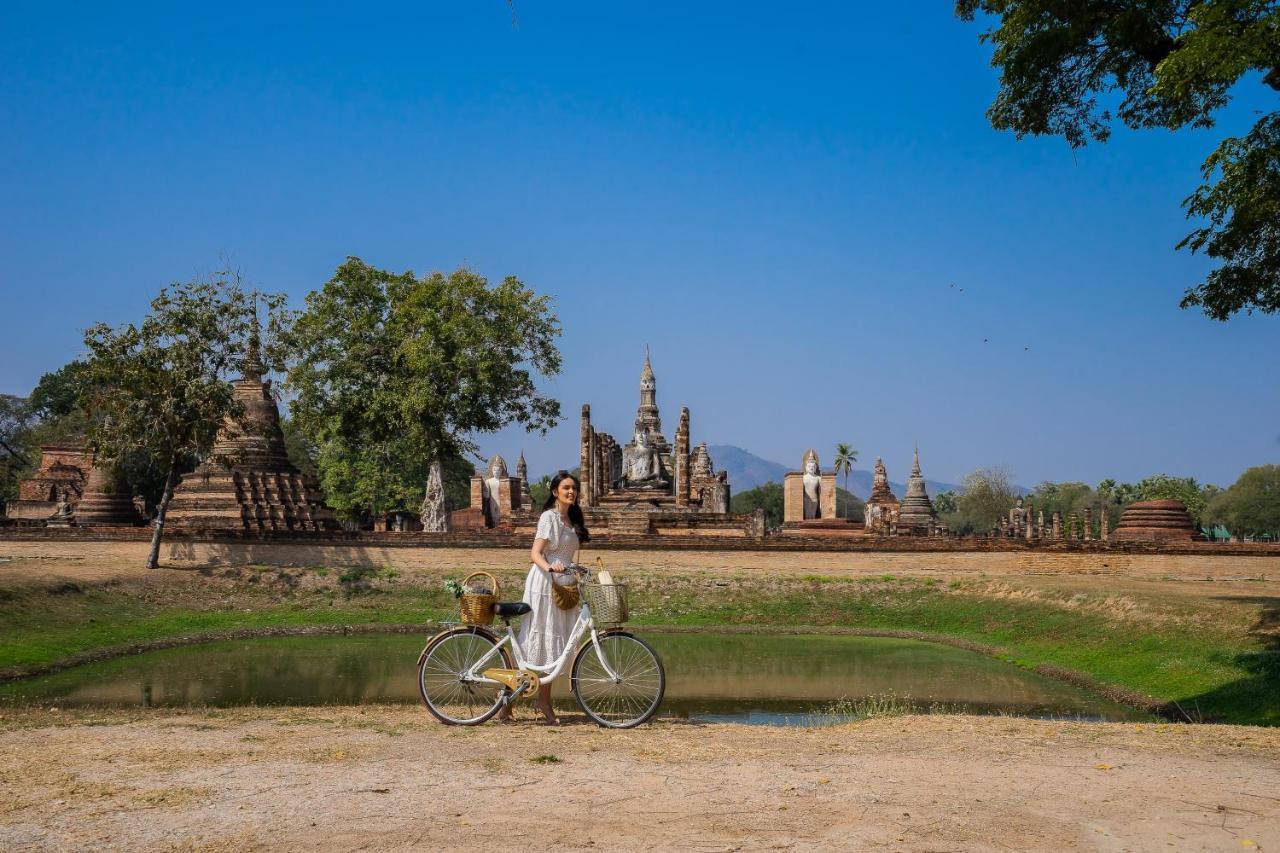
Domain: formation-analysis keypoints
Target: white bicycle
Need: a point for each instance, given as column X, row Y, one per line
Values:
column 466, row 674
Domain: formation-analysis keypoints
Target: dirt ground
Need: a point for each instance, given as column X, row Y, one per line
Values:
column 388, row 778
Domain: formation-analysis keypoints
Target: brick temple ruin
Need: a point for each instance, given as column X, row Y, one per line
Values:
column 648, row 486
column 68, row 490
column 58, row 479
column 810, row 505
column 498, row 500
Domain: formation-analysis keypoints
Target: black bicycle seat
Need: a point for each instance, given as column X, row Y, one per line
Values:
column 507, row 609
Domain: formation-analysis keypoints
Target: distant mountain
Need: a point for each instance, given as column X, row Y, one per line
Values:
column 746, row 471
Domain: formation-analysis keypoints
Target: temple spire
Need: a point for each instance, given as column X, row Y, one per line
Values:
column 917, row 514
column 253, row 366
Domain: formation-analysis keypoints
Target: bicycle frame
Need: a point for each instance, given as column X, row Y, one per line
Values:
column 547, row 673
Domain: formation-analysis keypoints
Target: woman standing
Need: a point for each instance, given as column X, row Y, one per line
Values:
column 545, row 630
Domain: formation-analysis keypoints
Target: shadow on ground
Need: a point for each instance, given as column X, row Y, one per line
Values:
column 1256, row 697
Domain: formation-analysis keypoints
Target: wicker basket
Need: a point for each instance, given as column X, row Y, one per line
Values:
column 608, row 602
column 564, row 595
column 477, row 607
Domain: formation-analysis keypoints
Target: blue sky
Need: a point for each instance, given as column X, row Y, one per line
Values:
column 775, row 200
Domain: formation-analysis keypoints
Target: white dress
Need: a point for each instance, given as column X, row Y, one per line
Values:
column 544, row 632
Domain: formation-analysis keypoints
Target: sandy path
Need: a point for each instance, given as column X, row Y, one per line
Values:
column 387, row 778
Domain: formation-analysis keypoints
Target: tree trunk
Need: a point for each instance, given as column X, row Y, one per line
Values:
column 153, row 559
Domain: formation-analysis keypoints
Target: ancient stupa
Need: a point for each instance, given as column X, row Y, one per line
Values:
column 105, row 503
column 526, row 497
column 248, row 483
column 916, row 512
column 1160, row 521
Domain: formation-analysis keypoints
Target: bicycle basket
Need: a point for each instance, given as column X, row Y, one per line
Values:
column 477, row 607
column 608, row 602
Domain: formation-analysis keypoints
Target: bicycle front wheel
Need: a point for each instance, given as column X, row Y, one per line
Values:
column 631, row 697
column 445, row 683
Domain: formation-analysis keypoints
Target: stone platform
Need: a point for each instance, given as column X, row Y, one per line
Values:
column 825, row 527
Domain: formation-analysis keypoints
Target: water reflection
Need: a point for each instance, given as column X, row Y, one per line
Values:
column 744, row 678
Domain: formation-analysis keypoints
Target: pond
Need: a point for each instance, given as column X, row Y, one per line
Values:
column 750, row 678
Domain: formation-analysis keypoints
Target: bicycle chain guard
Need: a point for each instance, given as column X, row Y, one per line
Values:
column 521, row 681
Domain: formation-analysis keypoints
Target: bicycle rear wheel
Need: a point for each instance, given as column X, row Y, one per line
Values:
column 634, row 695
column 450, row 694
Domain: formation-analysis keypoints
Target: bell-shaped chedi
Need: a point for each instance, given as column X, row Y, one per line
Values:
column 105, row 502
column 248, row 483
column 916, row 511
column 1159, row 521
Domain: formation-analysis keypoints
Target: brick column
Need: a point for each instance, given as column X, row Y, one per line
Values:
column 584, row 458
column 682, row 459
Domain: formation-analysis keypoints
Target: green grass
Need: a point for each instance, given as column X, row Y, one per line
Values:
column 36, row 633
column 1214, row 670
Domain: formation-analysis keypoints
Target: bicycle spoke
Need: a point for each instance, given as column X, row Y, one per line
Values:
column 633, row 696
column 443, row 678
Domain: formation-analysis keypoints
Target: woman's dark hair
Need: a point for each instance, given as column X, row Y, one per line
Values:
column 575, row 511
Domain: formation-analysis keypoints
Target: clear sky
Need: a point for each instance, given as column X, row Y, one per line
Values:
column 776, row 198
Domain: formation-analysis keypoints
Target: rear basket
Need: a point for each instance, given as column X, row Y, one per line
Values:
column 608, row 602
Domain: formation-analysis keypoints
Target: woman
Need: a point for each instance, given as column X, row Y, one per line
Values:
column 545, row 630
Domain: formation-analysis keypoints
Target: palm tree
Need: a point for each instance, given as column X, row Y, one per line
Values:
column 846, row 455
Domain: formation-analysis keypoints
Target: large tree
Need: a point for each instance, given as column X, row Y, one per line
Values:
column 16, row 456
column 1250, row 507
column 394, row 372
column 1072, row 67
column 161, row 388
column 988, row 496
column 766, row 496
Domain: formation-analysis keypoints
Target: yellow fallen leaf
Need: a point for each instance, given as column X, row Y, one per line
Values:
column 1248, row 842
column 824, row 781
column 1102, row 767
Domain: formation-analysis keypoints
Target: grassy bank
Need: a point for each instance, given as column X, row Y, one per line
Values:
column 1210, row 649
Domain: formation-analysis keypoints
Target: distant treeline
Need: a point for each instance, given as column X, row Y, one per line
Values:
column 1249, row 508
